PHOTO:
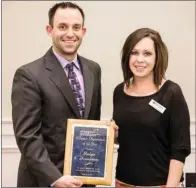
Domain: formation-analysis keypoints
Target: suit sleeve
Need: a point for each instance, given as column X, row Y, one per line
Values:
column 26, row 113
column 98, row 112
column 114, row 108
column 179, row 126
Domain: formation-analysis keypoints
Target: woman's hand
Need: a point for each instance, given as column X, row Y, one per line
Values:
column 113, row 124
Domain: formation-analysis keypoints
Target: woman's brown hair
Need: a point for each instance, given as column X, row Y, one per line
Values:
column 161, row 62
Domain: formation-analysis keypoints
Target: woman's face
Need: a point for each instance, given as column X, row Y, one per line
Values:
column 142, row 58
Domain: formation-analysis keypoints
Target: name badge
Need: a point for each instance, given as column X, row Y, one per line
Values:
column 157, row 106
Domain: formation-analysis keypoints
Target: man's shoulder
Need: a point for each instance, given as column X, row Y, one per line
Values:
column 33, row 65
column 90, row 63
column 32, row 69
column 37, row 64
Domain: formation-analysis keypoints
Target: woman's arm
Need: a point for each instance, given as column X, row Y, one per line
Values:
column 175, row 173
column 179, row 136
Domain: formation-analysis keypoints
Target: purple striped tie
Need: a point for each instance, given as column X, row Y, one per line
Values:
column 76, row 88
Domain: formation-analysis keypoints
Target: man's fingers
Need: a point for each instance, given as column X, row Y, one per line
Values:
column 73, row 183
column 78, row 182
column 68, row 181
column 69, row 185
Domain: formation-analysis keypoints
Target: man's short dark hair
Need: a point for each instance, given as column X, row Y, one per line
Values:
column 63, row 5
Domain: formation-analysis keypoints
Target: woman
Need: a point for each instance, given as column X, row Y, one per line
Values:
column 152, row 116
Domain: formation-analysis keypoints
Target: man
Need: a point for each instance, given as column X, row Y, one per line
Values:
column 48, row 91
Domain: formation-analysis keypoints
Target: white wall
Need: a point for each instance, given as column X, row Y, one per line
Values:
column 108, row 24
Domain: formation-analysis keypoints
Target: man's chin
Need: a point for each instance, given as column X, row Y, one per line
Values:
column 69, row 52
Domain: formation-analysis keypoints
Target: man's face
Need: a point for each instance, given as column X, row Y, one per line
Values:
column 67, row 31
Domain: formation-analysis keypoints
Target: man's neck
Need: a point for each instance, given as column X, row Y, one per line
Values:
column 69, row 58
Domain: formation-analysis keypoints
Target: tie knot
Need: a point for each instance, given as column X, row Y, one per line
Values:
column 70, row 66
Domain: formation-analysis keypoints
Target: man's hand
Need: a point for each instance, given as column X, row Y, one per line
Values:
column 68, row 181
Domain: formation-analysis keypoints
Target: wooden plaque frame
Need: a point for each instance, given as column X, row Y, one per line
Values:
column 109, row 146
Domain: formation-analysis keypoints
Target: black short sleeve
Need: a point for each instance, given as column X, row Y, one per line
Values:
column 179, row 126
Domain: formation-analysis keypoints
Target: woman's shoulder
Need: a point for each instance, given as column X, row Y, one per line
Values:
column 172, row 87
column 119, row 87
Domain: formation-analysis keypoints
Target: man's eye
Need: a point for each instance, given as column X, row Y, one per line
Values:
column 62, row 27
column 77, row 28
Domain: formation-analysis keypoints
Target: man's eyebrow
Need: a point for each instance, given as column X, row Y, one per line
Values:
column 78, row 24
column 63, row 23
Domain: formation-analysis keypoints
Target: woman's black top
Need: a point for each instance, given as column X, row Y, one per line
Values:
column 148, row 137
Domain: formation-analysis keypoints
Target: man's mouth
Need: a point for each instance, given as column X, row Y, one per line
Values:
column 69, row 41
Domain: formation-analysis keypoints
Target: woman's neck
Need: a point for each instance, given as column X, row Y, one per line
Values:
column 141, row 87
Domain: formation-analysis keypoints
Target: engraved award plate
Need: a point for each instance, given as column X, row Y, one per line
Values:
column 89, row 151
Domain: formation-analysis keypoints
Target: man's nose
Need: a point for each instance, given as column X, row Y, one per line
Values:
column 70, row 32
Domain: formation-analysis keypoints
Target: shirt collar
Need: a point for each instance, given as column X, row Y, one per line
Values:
column 64, row 62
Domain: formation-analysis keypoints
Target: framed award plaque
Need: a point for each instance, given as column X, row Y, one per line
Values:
column 89, row 151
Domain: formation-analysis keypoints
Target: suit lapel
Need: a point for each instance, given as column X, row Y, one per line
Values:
column 88, row 86
column 59, row 78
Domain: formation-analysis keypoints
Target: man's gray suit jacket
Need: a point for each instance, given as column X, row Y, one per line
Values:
column 42, row 101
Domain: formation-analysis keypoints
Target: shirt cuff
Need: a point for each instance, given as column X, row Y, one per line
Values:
column 180, row 155
column 52, row 185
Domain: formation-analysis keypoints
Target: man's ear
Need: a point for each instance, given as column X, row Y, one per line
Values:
column 49, row 30
column 83, row 31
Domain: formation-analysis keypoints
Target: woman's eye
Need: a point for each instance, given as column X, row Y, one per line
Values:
column 133, row 53
column 147, row 54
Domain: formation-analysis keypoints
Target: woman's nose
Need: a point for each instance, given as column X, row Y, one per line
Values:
column 140, row 58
